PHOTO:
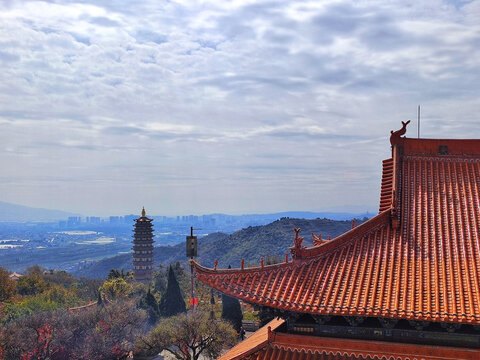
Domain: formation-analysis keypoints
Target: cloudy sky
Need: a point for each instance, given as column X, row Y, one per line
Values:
column 224, row 106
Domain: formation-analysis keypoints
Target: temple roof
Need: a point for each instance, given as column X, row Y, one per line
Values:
column 268, row 344
column 256, row 341
column 418, row 259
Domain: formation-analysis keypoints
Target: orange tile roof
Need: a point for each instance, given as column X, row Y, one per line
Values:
column 255, row 342
column 387, row 185
column 281, row 346
column 418, row 259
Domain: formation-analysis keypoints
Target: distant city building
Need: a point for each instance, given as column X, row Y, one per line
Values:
column 74, row 220
column 143, row 248
column 129, row 218
column 93, row 220
column 114, row 219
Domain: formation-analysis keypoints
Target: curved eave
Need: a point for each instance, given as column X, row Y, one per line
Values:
column 255, row 342
column 215, row 279
column 314, row 251
column 255, row 285
column 382, row 219
column 143, row 219
column 215, row 272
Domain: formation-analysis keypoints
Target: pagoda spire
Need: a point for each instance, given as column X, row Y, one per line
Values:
column 144, row 213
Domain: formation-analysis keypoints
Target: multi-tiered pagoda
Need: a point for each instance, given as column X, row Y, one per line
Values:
column 143, row 248
column 402, row 285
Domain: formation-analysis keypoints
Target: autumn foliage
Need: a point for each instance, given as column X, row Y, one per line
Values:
column 104, row 332
column 52, row 315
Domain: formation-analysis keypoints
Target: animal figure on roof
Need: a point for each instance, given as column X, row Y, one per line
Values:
column 298, row 240
column 402, row 131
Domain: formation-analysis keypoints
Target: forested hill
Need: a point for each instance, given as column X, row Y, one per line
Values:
column 252, row 243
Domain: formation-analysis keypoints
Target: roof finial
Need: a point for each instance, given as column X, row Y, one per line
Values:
column 394, row 135
column 144, row 213
column 298, row 240
column 317, row 240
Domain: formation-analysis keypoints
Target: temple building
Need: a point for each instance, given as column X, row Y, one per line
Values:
column 143, row 248
column 403, row 285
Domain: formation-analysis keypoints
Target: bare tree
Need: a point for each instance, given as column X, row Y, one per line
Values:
column 186, row 336
column 103, row 332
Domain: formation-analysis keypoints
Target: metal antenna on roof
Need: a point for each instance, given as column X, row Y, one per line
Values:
column 418, row 121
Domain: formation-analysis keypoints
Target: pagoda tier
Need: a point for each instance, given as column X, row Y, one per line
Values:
column 417, row 260
column 143, row 248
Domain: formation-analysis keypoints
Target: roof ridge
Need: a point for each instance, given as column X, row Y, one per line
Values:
column 358, row 231
column 237, row 270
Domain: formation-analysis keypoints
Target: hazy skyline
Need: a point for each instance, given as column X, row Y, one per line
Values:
column 224, row 106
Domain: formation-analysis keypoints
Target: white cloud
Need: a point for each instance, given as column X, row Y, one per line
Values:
column 213, row 100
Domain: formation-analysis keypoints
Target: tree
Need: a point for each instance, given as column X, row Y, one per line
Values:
column 172, row 301
column 107, row 332
column 7, row 286
column 114, row 274
column 159, row 280
column 31, row 284
column 116, row 288
column 58, row 278
column 187, row 336
column 61, row 295
column 88, row 288
column 35, row 269
column 232, row 311
column 150, row 305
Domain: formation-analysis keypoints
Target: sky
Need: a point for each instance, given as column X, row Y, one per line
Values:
column 225, row 106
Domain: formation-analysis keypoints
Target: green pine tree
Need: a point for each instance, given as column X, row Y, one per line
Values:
column 114, row 274
column 232, row 311
column 172, row 302
column 149, row 303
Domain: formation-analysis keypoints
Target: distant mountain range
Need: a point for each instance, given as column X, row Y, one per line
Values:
column 266, row 218
column 269, row 241
column 18, row 213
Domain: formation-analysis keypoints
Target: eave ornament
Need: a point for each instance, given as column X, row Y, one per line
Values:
column 296, row 250
column 317, row 240
column 395, row 135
